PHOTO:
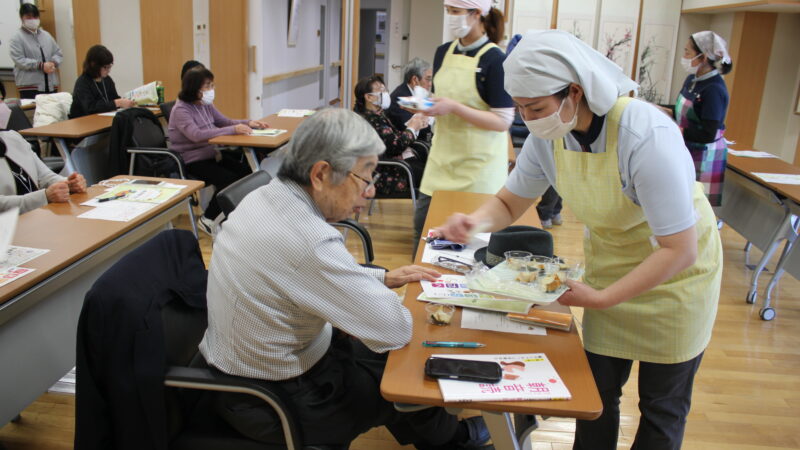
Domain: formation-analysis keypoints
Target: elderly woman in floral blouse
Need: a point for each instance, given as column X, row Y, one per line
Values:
column 371, row 101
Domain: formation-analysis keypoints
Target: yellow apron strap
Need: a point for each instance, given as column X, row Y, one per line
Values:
column 614, row 117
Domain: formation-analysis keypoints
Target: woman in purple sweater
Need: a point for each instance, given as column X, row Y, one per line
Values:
column 193, row 121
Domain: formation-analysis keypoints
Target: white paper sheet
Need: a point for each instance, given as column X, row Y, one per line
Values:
column 27, row 101
column 108, row 114
column 268, row 132
column 16, row 256
column 9, row 274
column 750, row 153
column 778, row 178
column 492, row 321
column 117, row 211
column 8, row 224
column 295, row 112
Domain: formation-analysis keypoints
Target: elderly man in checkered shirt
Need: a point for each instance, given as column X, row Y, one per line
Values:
column 289, row 305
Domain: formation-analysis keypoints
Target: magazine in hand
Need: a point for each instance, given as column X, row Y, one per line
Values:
column 525, row 377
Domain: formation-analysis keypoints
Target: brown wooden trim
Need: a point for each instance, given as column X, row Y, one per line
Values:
column 797, row 153
column 730, row 6
column 335, row 101
column 86, row 22
column 355, row 41
column 342, row 34
column 167, row 41
column 292, row 74
column 752, row 46
column 636, row 43
column 336, row 63
column 554, row 16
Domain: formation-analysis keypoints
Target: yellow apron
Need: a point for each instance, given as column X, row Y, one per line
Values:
column 668, row 324
column 464, row 157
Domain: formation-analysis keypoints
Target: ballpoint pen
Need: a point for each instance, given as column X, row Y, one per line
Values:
column 111, row 198
column 452, row 344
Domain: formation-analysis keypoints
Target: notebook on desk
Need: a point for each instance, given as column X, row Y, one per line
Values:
column 268, row 132
column 525, row 377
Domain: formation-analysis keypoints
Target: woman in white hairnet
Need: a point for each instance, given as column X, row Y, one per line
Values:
column 469, row 152
column 701, row 106
column 653, row 253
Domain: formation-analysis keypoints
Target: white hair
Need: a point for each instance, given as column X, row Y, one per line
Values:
column 335, row 135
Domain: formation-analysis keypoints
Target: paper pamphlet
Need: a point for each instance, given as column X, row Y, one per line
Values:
column 486, row 304
column 778, row 178
column 9, row 274
column 268, row 132
column 144, row 95
column 750, row 153
column 117, row 211
column 295, row 112
column 525, row 377
column 8, row 224
column 15, row 256
column 140, row 193
column 497, row 321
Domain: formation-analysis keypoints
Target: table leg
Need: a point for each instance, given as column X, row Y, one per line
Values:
column 783, row 231
column 767, row 312
column 501, row 427
column 63, row 149
column 252, row 159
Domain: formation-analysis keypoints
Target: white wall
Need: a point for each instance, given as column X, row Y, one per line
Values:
column 398, row 48
column 121, row 32
column 277, row 58
column 778, row 126
column 334, row 50
column 72, row 64
column 425, row 29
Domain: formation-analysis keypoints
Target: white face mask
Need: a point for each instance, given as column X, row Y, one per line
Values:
column 551, row 127
column 458, row 25
column 208, row 97
column 421, row 92
column 31, row 24
column 687, row 64
column 383, row 100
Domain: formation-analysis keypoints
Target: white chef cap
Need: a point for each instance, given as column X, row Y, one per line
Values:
column 545, row 62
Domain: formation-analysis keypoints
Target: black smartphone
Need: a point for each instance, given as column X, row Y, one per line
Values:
column 463, row 369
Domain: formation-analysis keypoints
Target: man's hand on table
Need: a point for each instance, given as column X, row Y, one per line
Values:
column 403, row 275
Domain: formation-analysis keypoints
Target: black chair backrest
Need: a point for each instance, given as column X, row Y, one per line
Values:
column 147, row 134
column 166, row 109
column 230, row 197
column 18, row 120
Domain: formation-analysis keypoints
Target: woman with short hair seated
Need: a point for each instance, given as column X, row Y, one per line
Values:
column 95, row 91
column 193, row 121
column 371, row 102
column 26, row 182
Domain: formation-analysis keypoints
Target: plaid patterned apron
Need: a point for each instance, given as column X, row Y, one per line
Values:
column 709, row 159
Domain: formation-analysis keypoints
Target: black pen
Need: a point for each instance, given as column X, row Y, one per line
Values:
column 110, row 198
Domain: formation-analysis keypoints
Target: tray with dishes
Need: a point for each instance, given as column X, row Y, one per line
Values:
column 536, row 279
column 414, row 103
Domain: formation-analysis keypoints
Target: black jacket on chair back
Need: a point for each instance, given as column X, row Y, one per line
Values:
column 121, row 356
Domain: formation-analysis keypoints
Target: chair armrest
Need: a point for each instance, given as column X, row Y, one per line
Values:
column 366, row 239
column 407, row 168
column 133, row 151
column 206, row 380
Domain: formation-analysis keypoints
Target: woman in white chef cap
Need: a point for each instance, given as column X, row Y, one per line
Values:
column 701, row 106
column 469, row 152
column 653, row 253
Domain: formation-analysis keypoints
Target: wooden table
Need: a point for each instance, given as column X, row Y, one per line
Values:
column 761, row 212
column 250, row 143
column 404, row 380
column 78, row 128
column 39, row 312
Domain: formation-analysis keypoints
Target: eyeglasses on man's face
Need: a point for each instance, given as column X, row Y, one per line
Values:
column 369, row 183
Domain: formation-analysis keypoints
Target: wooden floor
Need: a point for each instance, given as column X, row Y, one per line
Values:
column 746, row 395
